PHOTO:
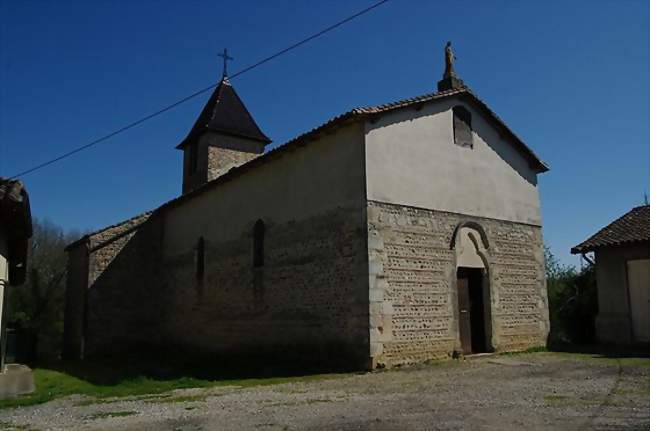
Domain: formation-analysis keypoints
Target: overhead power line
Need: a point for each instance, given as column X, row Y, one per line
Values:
column 198, row 93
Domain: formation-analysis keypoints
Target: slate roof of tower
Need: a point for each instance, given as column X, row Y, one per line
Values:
column 226, row 113
column 631, row 228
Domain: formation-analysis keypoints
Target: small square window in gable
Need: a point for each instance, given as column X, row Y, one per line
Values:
column 462, row 127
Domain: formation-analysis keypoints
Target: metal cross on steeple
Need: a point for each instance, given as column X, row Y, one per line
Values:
column 225, row 57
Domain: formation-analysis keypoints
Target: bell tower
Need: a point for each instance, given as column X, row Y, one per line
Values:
column 223, row 137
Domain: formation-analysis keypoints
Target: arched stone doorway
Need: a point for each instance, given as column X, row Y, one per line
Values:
column 473, row 289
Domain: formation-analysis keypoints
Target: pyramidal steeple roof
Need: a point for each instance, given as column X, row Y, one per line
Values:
column 225, row 112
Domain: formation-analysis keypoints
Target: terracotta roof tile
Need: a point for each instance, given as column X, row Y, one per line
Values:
column 633, row 227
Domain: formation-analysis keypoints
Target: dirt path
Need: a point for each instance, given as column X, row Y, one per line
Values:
column 532, row 392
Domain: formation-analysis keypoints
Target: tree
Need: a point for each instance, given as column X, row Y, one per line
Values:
column 36, row 308
column 572, row 299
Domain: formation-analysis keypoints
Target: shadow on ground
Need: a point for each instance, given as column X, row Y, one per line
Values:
column 604, row 350
column 163, row 365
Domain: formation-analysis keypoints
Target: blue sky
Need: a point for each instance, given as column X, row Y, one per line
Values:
column 570, row 78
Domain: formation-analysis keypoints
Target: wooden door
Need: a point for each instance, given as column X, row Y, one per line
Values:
column 464, row 322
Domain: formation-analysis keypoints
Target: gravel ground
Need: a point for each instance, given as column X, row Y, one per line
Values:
column 539, row 391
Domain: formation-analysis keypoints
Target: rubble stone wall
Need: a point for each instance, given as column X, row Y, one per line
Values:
column 122, row 291
column 413, row 301
column 227, row 152
column 309, row 298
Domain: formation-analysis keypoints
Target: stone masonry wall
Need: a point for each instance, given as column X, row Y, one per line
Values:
column 413, row 301
column 216, row 154
column 309, row 298
column 106, row 244
column 75, row 298
column 221, row 160
column 121, row 278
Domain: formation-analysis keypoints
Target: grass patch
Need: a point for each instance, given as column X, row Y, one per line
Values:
column 56, row 383
column 567, row 401
column 556, row 399
column 179, row 399
column 534, row 349
column 9, row 426
column 605, row 359
column 438, row 362
column 51, row 384
column 305, row 402
column 95, row 401
column 632, row 359
column 105, row 415
column 634, row 388
column 630, row 392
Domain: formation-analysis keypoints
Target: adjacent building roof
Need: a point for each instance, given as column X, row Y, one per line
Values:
column 226, row 113
column 631, row 228
column 16, row 221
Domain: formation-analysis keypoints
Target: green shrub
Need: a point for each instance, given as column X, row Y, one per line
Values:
column 572, row 301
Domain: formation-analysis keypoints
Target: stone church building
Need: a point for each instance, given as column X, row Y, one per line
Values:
column 388, row 235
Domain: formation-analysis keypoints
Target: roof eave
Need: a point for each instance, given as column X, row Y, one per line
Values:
column 73, row 244
column 534, row 160
column 193, row 136
column 579, row 249
column 338, row 122
column 465, row 94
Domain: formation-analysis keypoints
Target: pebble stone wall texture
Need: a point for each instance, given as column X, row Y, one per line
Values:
column 221, row 160
column 312, row 294
column 309, row 298
column 412, row 270
column 111, row 272
column 88, row 258
column 123, row 300
column 217, row 153
column 106, row 244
